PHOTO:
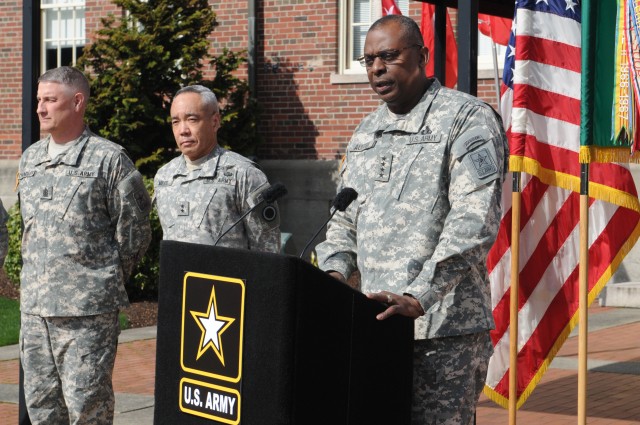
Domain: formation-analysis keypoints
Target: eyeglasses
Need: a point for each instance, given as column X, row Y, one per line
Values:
column 388, row 57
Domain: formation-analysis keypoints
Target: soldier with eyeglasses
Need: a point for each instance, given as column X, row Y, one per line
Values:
column 428, row 166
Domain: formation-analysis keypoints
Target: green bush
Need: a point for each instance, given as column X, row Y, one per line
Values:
column 140, row 58
column 143, row 283
column 13, row 262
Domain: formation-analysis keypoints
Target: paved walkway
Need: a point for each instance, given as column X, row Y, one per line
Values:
column 613, row 379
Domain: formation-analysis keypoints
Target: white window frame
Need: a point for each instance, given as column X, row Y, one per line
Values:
column 349, row 70
column 485, row 57
column 76, row 36
column 347, row 65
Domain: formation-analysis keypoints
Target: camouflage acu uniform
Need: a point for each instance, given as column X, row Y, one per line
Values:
column 4, row 235
column 86, row 225
column 197, row 206
column 427, row 212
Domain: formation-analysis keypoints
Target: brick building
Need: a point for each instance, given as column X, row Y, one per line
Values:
column 311, row 89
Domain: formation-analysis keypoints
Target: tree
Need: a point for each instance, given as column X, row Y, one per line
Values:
column 140, row 59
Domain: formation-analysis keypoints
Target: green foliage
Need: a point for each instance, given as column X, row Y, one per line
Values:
column 13, row 262
column 144, row 280
column 9, row 321
column 143, row 283
column 123, row 320
column 140, row 59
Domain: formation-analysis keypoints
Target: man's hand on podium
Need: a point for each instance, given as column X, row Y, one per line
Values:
column 404, row 305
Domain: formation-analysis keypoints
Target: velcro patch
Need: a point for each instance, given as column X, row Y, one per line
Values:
column 133, row 188
column 483, row 163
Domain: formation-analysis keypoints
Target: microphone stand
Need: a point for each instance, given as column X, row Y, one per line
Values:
column 335, row 210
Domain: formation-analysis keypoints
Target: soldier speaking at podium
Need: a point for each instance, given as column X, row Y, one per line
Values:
column 202, row 193
column 428, row 168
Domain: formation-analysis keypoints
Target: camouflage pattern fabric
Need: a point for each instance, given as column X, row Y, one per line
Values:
column 4, row 234
column 86, row 225
column 428, row 208
column 68, row 364
column 198, row 206
column 449, row 375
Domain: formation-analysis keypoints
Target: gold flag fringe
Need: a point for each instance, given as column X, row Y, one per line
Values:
column 589, row 154
column 570, row 182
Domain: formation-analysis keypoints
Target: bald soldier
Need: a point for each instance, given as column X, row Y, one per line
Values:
column 428, row 166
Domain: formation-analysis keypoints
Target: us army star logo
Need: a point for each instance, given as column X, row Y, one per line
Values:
column 212, row 326
column 483, row 163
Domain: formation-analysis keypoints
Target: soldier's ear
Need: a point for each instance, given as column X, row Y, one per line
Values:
column 424, row 56
column 78, row 101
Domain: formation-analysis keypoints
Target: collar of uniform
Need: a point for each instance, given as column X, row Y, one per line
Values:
column 414, row 120
column 70, row 157
column 210, row 167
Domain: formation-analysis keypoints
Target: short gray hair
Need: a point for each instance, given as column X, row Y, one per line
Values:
column 68, row 76
column 409, row 28
column 209, row 99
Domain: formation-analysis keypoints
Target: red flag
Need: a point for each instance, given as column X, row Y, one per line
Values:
column 426, row 26
column 541, row 110
column 389, row 7
column 499, row 29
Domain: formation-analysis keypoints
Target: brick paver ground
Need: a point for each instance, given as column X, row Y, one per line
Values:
column 134, row 373
column 613, row 398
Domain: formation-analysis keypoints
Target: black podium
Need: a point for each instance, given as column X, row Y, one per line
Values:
column 259, row 339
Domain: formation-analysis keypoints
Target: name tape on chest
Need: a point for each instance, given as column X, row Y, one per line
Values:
column 82, row 173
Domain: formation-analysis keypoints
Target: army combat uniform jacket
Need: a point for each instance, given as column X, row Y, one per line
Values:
column 428, row 208
column 198, row 206
column 86, row 225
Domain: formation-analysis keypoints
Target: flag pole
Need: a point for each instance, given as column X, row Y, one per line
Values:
column 584, row 294
column 516, row 199
column 496, row 78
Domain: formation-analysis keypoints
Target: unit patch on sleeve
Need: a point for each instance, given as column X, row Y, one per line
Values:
column 483, row 163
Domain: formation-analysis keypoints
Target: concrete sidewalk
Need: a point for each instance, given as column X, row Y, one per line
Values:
column 613, row 379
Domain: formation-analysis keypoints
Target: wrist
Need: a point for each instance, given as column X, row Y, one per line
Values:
column 415, row 302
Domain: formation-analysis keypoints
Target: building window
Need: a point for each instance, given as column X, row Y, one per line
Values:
column 486, row 55
column 63, row 32
column 356, row 16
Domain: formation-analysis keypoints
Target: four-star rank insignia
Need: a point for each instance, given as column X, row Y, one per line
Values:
column 211, row 346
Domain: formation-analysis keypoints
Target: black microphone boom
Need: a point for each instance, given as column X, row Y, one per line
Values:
column 269, row 196
column 274, row 192
column 343, row 199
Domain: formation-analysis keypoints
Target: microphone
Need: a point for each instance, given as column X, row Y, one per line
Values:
column 343, row 199
column 269, row 212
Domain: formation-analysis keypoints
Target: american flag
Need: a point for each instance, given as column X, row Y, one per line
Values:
column 541, row 111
